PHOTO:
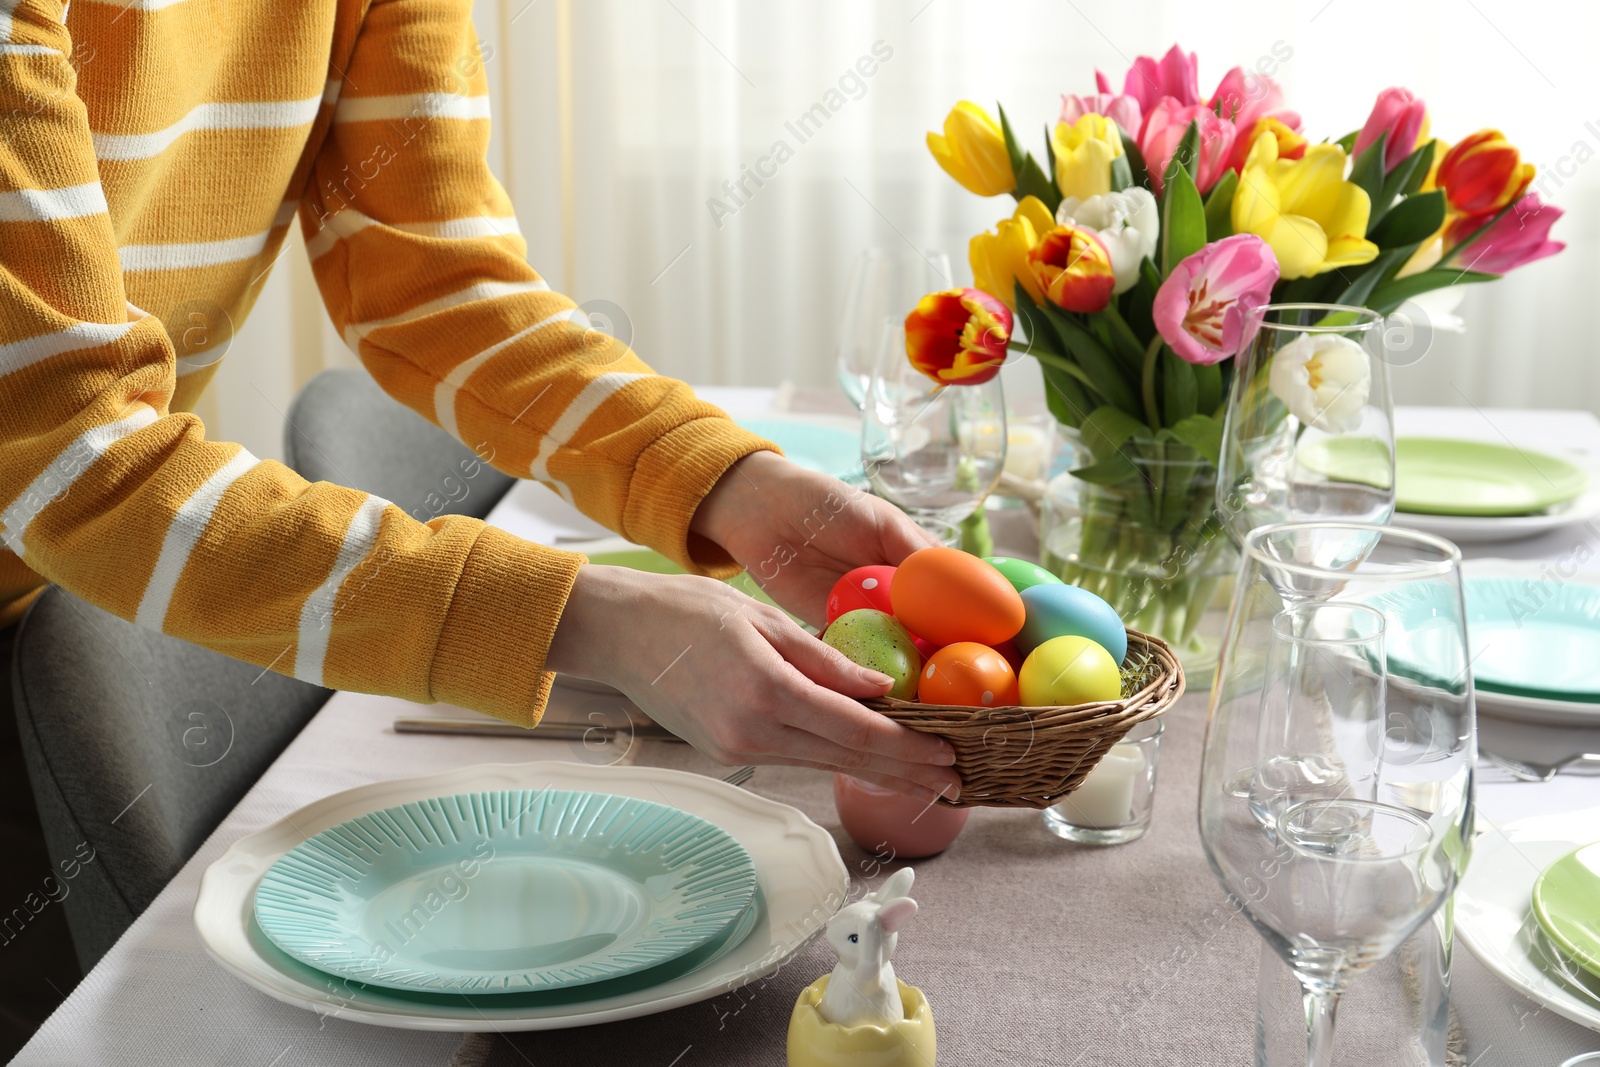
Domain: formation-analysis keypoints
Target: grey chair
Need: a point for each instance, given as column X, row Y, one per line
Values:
column 137, row 744
column 343, row 428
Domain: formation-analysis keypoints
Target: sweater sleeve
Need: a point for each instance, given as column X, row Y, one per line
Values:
column 109, row 493
column 424, row 271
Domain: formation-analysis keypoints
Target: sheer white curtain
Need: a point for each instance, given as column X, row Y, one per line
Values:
column 620, row 121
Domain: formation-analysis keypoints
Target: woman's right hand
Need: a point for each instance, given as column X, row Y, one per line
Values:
column 739, row 679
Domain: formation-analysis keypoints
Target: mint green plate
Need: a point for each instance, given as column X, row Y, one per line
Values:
column 1566, row 903
column 647, row 559
column 1441, row 477
column 505, row 892
column 814, row 446
column 1537, row 639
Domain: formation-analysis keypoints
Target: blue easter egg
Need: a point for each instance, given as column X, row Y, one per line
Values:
column 1067, row 611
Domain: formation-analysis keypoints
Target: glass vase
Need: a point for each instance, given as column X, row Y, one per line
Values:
column 1146, row 540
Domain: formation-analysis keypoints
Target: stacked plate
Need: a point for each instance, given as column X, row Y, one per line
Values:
column 1529, row 909
column 1535, row 633
column 522, row 897
column 1473, row 491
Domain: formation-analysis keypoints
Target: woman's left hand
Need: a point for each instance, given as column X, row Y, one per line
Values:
column 797, row 531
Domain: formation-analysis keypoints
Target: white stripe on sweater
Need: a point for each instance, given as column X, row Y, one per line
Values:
column 183, row 533
column 410, row 105
column 59, row 475
column 195, row 254
column 463, row 228
column 355, row 331
column 78, row 336
column 585, row 404
column 316, row 614
column 445, row 393
column 259, row 115
column 138, row 5
column 44, row 205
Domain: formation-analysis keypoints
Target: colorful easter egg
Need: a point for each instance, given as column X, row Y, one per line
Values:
column 864, row 587
column 873, row 639
column 1066, row 671
column 1020, row 573
column 1067, row 611
column 944, row 595
column 970, row 675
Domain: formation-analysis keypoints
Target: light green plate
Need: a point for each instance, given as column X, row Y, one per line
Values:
column 506, row 892
column 1566, row 903
column 1440, row 477
column 814, row 446
column 1537, row 641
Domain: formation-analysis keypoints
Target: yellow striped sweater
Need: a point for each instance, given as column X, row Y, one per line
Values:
column 154, row 153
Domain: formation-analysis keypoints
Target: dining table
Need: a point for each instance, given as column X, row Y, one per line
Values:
column 1030, row 949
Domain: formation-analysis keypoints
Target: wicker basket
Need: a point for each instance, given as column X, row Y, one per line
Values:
column 1032, row 757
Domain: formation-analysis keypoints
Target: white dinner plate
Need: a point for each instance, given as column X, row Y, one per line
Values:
column 1494, row 912
column 1475, row 529
column 800, row 877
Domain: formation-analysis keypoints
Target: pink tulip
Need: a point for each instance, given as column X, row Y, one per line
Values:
column 1175, row 75
column 1165, row 126
column 1521, row 236
column 1123, row 110
column 1245, row 98
column 1400, row 114
column 1203, row 308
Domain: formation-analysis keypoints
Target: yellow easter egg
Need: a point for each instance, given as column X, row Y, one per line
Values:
column 1066, row 671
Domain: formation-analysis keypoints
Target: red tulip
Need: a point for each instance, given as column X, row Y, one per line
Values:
column 1483, row 173
column 958, row 337
column 1073, row 268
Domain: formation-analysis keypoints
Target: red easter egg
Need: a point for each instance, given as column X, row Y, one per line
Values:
column 946, row 595
column 864, row 587
column 969, row 675
column 927, row 648
column 1008, row 649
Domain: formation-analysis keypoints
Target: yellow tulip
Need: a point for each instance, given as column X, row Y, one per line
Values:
column 1314, row 220
column 1000, row 259
column 1084, row 151
column 972, row 150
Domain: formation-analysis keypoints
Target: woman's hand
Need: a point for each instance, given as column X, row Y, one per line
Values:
column 739, row 679
column 797, row 532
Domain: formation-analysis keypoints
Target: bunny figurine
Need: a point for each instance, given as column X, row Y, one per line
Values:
column 861, row 1014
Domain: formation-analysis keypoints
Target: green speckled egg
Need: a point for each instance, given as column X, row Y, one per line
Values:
column 875, row 639
column 1020, row 573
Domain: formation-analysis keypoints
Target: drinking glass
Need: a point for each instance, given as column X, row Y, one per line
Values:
column 1309, row 429
column 1336, row 778
column 884, row 284
column 934, row 451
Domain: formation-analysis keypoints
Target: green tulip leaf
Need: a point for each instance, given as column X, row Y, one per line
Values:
column 1358, row 291
column 1031, row 181
column 1203, row 433
column 1136, row 165
column 1348, row 141
column 1121, row 174
column 1408, row 176
column 1099, row 367
column 1367, row 172
column 1179, row 390
column 1183, row 218
column 1186, row 155
column 1391, row 294
column 1413, row 220
column 1219, row 207
column 1068, row 402
column 1105, row 430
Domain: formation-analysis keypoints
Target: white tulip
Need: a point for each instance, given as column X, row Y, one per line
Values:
column 1127, row 223
column 1324, row 379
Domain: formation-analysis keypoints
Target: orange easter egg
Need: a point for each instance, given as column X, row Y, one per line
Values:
column 944, row 595
column 968, row 674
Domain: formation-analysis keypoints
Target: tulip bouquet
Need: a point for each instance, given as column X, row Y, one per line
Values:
column 1137, row 252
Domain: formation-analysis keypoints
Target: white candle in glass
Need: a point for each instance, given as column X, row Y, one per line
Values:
column 1026, row 450
column 1105, row 799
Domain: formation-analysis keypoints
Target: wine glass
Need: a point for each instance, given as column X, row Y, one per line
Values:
column 884, row 284
column 1336, row 779
column 934, row 451
column 1309, row 430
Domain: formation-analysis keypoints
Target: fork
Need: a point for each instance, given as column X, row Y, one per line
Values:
column 1526, row 771
column 739, row 775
